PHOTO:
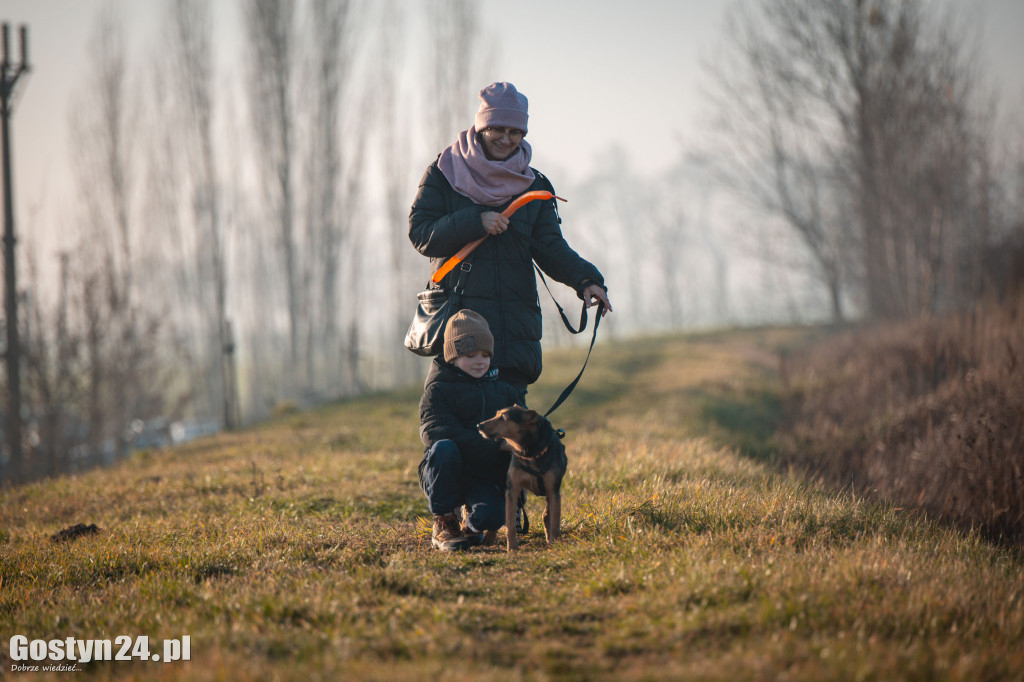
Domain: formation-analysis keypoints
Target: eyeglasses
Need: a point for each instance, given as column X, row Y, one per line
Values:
column 513, row 133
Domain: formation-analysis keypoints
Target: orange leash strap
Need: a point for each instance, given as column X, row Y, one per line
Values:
column 520, row 201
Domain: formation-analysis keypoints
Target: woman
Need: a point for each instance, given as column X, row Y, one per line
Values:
column 460, row 200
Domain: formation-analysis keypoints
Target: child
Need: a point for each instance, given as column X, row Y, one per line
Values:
column 460, row 466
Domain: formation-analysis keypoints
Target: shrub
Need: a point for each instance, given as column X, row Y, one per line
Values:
column 926, row 413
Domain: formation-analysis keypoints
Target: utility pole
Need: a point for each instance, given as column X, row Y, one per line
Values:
column 10, row 74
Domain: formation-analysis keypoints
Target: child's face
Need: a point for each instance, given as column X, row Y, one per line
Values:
column 475, row 364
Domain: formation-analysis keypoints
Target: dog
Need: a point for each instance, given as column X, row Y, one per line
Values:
column 538, row 465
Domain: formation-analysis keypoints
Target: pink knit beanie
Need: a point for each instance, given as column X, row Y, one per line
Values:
column 502, row 106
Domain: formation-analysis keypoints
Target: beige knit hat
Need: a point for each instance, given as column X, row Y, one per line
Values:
column 466, row 333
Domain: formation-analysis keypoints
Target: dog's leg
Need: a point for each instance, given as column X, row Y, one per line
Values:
column 555, row 522
column 511, row 497
column 553, row 516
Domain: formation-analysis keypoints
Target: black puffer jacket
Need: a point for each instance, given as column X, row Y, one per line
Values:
column 501, row 285
column 453, row 403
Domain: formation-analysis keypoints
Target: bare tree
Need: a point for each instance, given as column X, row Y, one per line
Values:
column 916, row 150
column 52, row 378
column 323, row 248
column 102, row 125
column 780, row 140
column 672, row 224
column 193, row 52
column 614, row 212
column 185, row 203
column 270, row 31
column 853, row 122
column 456, row 50
column 407, row 271
column 334, row 179
column 119, row 335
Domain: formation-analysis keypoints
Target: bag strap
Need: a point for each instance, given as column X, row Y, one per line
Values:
column 551, row 188
column 464, row 269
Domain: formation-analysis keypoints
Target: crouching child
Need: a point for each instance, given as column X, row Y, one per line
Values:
column 462, row 470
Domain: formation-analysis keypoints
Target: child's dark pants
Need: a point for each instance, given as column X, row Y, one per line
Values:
column 446, row 484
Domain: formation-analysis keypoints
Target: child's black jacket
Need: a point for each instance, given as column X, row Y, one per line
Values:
column 453, row 403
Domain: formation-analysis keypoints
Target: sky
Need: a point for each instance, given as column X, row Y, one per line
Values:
column 593, row 70
column 597, row 72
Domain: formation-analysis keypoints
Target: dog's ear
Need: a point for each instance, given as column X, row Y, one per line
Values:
column 530, row 418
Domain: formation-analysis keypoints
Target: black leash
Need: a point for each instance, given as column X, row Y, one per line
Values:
column 583, row 323
column 565, row 320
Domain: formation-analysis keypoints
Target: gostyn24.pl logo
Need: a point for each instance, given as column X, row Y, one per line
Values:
column 69, row 652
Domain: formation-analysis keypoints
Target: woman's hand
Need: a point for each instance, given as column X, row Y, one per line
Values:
column 595, row 294
column 494, row 223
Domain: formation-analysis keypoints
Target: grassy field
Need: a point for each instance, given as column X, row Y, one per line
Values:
column 298, row 551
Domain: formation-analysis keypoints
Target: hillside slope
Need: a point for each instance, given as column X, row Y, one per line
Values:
column 296, row 551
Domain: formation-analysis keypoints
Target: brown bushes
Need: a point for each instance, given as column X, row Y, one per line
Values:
column 927, row 413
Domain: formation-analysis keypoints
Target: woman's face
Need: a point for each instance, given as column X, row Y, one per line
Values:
column 500, row 143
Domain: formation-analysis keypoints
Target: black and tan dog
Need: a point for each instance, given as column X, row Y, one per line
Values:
column 538, row 465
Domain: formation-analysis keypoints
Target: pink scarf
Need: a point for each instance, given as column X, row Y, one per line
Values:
column 489, row 183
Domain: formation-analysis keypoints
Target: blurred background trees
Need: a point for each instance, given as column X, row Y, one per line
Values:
column 238, row 244
column 867, row 129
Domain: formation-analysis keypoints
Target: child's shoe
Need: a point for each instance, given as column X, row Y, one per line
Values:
column 448, row 536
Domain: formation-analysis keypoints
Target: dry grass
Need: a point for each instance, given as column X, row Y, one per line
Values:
column 927, row 413
column 295, row 551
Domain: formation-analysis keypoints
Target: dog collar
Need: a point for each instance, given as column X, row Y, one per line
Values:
column 543, row 453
